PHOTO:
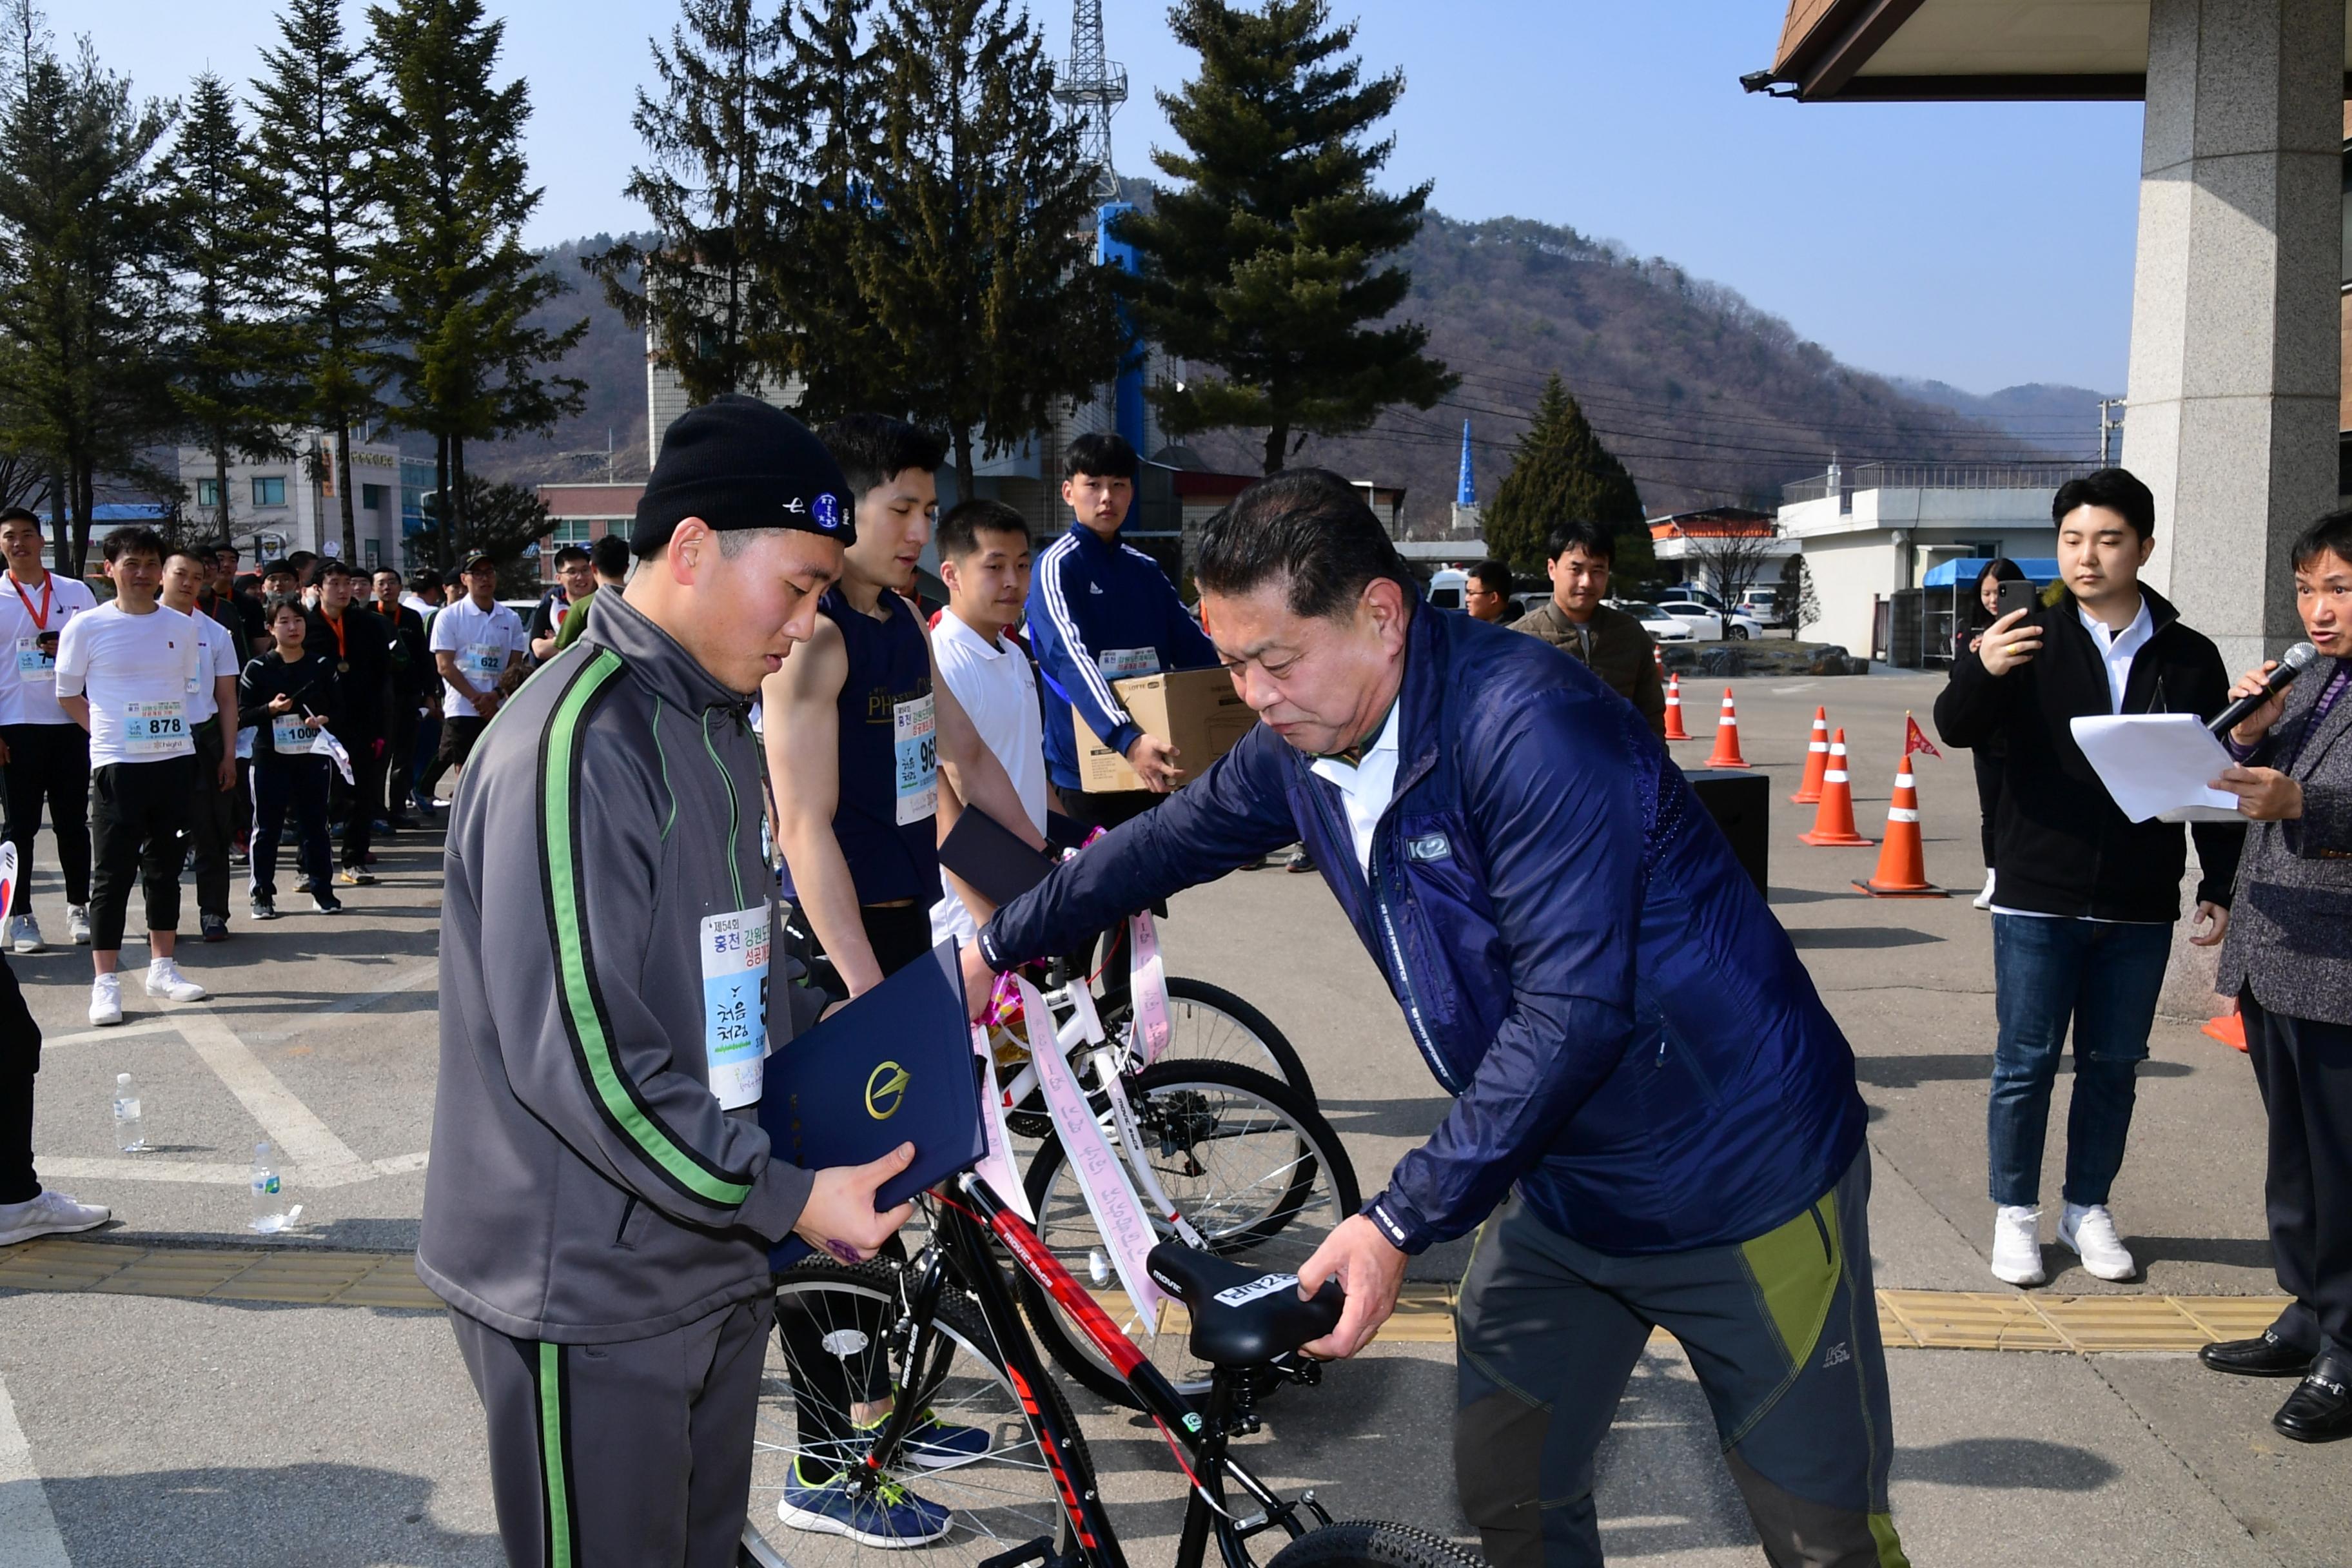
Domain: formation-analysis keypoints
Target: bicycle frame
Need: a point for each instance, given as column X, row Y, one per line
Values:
column 1199, row 1439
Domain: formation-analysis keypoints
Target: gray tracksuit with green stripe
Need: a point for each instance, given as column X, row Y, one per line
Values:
column 585, row 1185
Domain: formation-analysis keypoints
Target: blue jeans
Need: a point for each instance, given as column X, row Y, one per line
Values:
column 2104, row 978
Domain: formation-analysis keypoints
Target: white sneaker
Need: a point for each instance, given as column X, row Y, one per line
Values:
column 1984, row 900
column 2017, row 1245
column 50, row 1213
column 2090, row 1231
column 165, row 979
column 78, row 924
column 106, row 999
column 25, row 935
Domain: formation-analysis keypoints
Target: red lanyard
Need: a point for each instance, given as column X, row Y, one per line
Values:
column 41, row 615
column 336, row 628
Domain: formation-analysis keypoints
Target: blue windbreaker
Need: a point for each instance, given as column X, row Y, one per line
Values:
column 1090, row 603
column 1626, row 1030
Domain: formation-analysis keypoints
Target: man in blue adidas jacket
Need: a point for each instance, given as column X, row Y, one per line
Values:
column 1100, row 611
column 1645, row 1080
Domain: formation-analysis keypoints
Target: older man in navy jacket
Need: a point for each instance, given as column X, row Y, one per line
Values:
column 1645, row 1080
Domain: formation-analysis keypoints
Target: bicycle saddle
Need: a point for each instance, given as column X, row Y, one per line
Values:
column 1242, row 1315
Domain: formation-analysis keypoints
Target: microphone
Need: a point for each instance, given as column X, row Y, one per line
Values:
column 2290, row 665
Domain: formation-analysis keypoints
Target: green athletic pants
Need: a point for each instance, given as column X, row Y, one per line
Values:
column 1782, row 1332
column 633, row 1454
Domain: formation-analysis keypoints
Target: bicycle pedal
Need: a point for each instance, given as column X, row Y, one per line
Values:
column 1038, row 1550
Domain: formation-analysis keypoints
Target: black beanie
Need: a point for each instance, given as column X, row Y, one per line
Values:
column 737, row 462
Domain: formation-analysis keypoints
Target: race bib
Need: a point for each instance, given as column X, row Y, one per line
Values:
column 36, row 665
column 292, row 734
column 481, row 662
column 916, row 746
column 735, row 1002
column 156, row 729
column 1120, row 663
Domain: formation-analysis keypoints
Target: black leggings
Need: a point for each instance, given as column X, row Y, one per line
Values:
column 20, row 1061
column 48, row 764
column 1988, row 771
column 137, row 813
column 898, row 934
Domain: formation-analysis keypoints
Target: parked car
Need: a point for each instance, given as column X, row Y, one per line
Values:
column 1763, row 605
column 1446, row 588
column 1712, row 625
column 1694, row 593
column 1661, row 627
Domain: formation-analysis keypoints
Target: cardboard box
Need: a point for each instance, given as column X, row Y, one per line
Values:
column 1197, row 709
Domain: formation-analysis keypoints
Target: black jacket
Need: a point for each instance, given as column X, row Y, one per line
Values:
column 412, row 665
column 311, row 681
column 2059, row 846
column 366, row 646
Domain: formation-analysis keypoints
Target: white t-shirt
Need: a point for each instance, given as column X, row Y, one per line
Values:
column 485, row 641
column 136, row 671
column 996, row 688
column 218, row 658
column 28, row 691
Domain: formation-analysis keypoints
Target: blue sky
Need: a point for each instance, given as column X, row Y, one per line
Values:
column 1980, row 244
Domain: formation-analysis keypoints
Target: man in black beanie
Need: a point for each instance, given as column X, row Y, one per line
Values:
column 602, row 1201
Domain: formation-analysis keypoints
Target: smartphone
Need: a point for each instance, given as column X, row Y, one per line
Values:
column 2016, row 597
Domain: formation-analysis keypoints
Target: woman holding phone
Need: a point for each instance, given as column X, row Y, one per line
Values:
column 1968, row 631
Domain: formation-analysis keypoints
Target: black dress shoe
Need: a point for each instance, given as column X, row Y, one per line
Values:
column 2320, row 1408
column 2266, row 1356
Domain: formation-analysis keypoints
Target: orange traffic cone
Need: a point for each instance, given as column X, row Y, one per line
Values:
column 1833, row 818
column 1817, row 761
column 1902, row 863
column 2230, row 1028
column 1726, row 738
column 1675, row 731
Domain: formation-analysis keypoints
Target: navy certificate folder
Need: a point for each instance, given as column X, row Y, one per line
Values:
column 992, row 858
column 895, row 1065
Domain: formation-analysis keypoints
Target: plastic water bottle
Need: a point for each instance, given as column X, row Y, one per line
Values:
column 129, row 1127
column 269, row 1214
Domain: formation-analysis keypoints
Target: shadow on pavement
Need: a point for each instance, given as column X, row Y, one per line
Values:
column 2232, row 1251
column 1861, row 937
column 287, row 1516
column 2006, row 1462
column 1385, row 1118
column 1932, row 1067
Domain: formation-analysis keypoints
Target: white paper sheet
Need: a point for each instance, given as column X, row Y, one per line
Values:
column 2158, row 764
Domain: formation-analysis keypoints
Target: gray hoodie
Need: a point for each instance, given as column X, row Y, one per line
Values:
column 585, row 1185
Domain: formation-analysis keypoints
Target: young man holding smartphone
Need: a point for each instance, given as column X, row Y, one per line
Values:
column 2085, row 899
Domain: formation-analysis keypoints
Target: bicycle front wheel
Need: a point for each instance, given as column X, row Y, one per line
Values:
column 1208, row 1023
column 1253, row 1168
column 841, row 1349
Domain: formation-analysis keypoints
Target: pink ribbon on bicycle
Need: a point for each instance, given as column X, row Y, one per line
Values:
column 1147, row 981
column 995, row 1166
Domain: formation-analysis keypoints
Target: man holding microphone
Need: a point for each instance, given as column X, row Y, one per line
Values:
column 1644, row 1079
column 2288, row 961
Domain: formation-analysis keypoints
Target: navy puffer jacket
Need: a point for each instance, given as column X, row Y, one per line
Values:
column 1627, row 1032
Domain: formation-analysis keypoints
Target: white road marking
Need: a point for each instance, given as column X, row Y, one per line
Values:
column 200, row 1172
column 29, row 1530
column 1792, row 690
column 423, row 974
column 119, row 1032
column 301, row 1138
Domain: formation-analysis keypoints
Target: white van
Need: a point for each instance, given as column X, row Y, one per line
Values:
column 1447, row 587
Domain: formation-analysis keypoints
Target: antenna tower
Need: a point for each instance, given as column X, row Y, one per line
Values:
column 1094, row 87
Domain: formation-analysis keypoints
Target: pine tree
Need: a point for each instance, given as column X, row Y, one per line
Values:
column 1266, row 265
column 312, row 116
column 1561, row 471
column 977, row 257
column 236, row 389
column 85, row 306
column 715, row 157
column 459, row 287
column 824, row 116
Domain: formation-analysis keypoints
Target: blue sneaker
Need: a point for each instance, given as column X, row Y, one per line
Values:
column 889, row 1517
column 932, row 1444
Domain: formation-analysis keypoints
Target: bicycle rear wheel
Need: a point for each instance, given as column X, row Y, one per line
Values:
column 998, row 1501
column 1373, row 1543
column 1254, row 1167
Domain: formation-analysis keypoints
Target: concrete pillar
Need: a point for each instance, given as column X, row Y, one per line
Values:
column 2233, row 391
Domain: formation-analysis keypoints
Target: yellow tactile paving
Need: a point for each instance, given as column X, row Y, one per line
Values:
column 1909, row 1320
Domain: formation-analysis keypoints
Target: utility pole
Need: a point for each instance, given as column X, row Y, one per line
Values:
column 1094, row 87
column 2106, row 427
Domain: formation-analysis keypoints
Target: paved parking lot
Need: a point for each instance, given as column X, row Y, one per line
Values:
column 139, row 1429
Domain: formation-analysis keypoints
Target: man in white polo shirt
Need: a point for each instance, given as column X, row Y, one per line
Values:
column 124, row 674
column 475, row 642
column 45, row 752
column 984, row 560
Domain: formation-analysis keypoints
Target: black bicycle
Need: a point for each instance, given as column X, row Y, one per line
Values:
column 959, row 1443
